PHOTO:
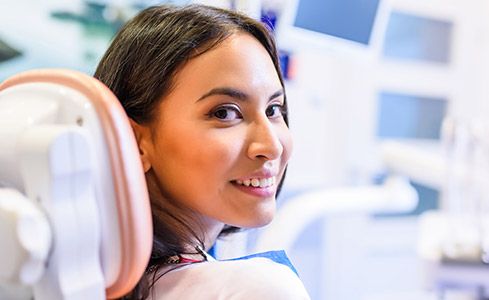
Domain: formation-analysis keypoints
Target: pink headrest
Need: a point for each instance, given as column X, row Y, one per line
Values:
column 132, row 200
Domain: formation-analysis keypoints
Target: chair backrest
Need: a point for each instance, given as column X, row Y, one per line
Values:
column 132, row 214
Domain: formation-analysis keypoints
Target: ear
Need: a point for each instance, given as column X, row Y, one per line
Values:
column 143, row 138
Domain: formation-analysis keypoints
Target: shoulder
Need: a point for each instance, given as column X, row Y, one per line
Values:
column 257, row 278
column 261, row 278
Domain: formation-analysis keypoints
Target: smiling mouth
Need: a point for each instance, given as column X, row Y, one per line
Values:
column 257, row 182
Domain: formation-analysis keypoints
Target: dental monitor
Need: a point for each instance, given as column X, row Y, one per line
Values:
column 329, row 25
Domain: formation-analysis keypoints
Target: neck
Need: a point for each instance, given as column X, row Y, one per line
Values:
column 211, row 230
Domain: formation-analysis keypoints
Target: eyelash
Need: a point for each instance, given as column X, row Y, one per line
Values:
column 212, row 113
column 280, row 107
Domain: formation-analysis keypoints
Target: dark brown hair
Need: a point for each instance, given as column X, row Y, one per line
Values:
column 139, row 67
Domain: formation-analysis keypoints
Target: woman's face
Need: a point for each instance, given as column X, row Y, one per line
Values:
column 220, row 143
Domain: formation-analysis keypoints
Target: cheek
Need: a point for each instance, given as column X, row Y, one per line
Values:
column 200, row 157
column 201, row 170
column 214, row 151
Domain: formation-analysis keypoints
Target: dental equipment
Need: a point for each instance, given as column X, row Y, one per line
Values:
column 453, row 242
column 75, row 219
column 393, row 196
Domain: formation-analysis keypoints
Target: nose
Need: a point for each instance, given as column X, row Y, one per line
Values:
column 265, row 141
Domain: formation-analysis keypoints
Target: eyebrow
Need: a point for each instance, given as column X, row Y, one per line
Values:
column 235, row 93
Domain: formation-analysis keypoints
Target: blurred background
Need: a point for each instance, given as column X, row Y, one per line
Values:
column 386, row 194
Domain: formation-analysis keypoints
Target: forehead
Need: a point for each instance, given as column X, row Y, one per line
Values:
column 239, row 61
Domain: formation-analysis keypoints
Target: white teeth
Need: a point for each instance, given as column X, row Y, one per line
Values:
column 256, row 182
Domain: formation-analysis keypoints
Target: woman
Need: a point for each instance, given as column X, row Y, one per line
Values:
column 203, row 90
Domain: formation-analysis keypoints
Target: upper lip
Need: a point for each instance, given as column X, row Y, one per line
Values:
column 262, row 174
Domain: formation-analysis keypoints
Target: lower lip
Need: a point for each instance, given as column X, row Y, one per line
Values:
column 256, row 191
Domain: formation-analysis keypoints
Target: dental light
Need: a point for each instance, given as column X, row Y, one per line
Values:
column 75, row 219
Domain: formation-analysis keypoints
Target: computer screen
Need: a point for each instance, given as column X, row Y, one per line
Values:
column 403, row 115
column 418, row 38
column 328, row 23
column 348, row 19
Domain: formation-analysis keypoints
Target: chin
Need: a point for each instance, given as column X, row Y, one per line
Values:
column 264, row 222
column 258, row 220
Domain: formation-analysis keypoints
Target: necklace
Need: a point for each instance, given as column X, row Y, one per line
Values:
column 179, row 259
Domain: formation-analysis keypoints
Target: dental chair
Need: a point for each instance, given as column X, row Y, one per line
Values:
column 75, row 220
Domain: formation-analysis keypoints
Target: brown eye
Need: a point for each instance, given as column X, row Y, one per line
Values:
column 274, row 111
column 226, row 113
